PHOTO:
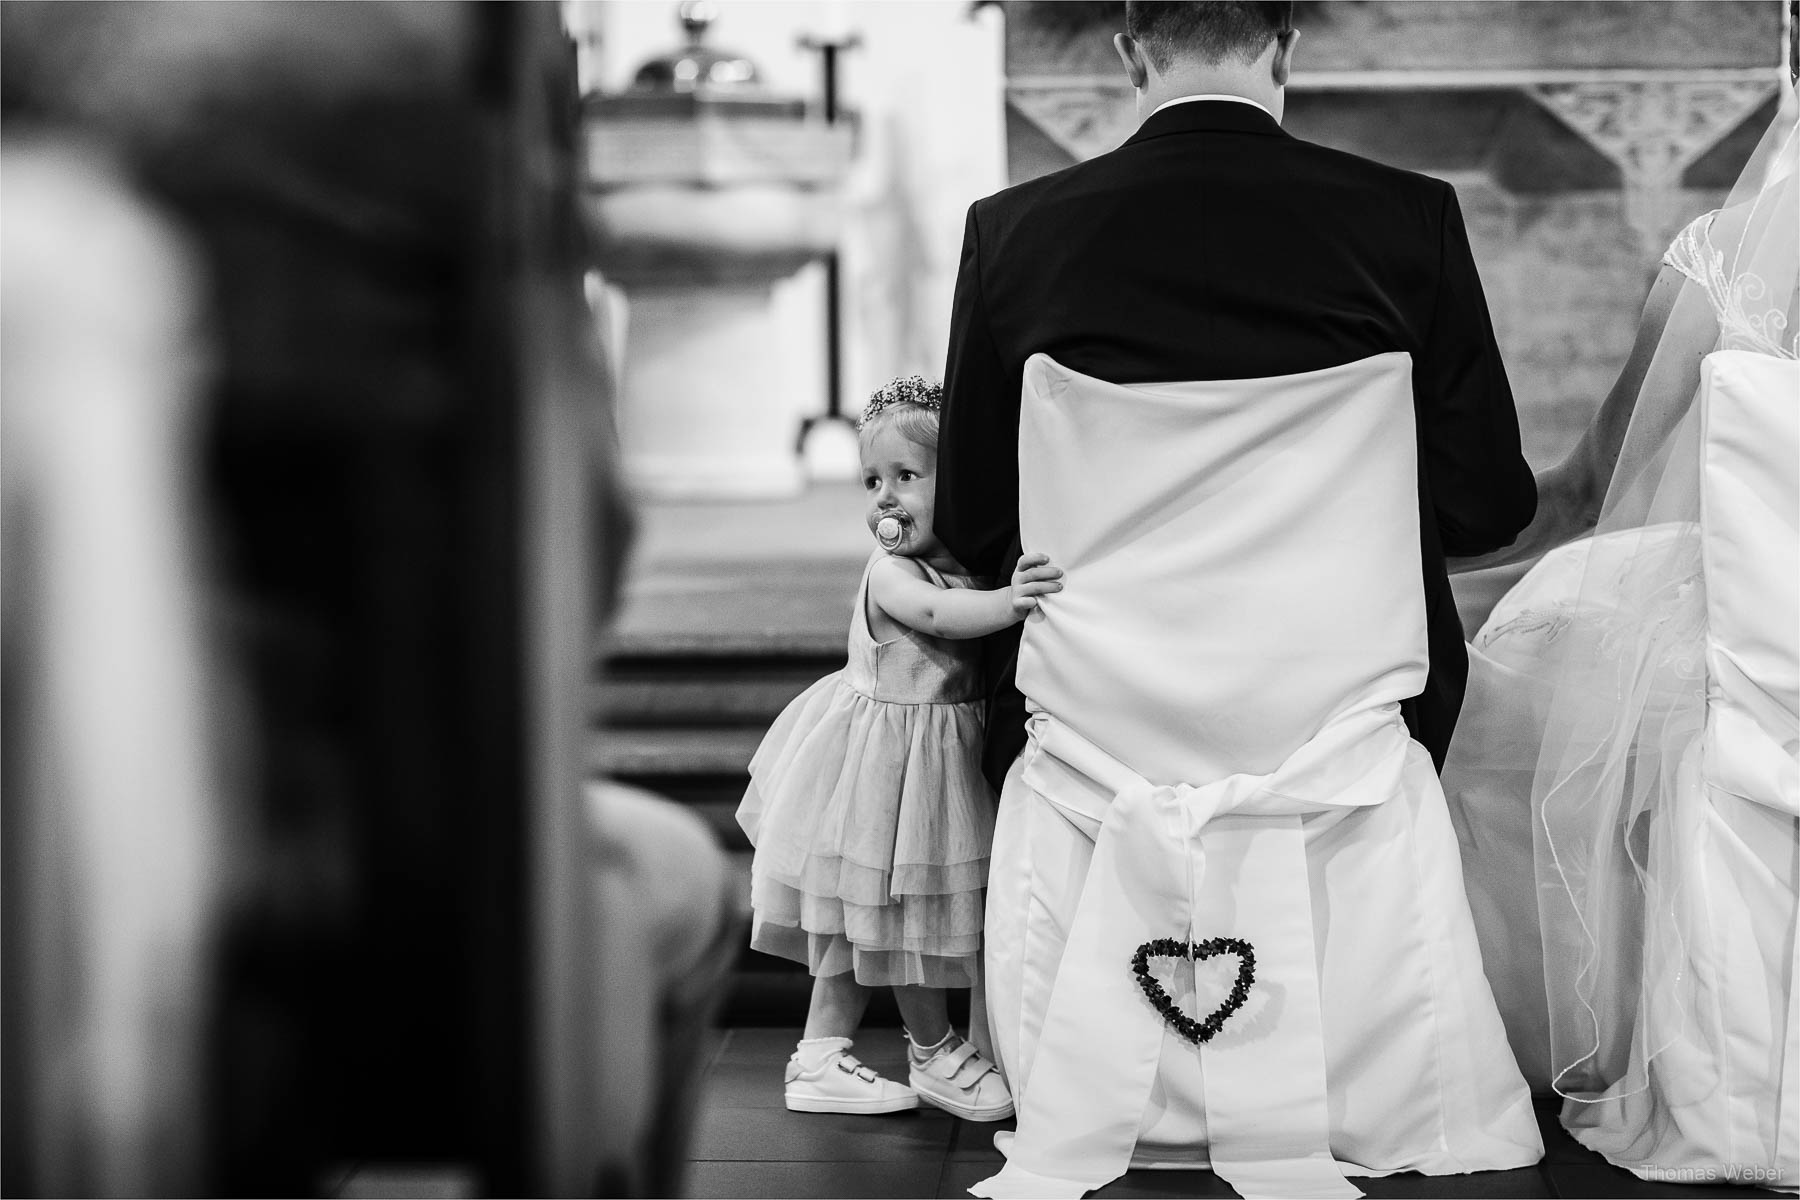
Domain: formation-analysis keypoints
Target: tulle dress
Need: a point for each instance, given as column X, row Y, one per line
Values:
column 870, row 816
column 1629, row 737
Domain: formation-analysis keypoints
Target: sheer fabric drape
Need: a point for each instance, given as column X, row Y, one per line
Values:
column 1617, row 694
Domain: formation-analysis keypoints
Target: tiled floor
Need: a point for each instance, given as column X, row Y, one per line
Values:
column 748, row 1145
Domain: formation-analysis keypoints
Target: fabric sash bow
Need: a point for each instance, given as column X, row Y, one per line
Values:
column 1224, row 859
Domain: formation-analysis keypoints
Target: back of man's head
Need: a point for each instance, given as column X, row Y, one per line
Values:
column 1209, row 31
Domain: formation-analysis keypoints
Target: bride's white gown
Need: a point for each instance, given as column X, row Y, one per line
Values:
column 1628, row 744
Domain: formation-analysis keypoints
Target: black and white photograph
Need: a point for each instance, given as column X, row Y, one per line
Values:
column 1025, row 599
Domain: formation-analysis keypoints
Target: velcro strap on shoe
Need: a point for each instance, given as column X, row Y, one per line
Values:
column 950, row 1065
column 847, row 1063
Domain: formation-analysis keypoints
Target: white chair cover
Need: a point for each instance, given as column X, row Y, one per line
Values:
column 1750, row 553
column 1720, row 1097
column 1220, row 540
column 1707, row 915
column 1750, row 512
column 1216, row 751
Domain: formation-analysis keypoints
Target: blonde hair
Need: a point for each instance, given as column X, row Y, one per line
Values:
column 914, row 422
column 911, row 404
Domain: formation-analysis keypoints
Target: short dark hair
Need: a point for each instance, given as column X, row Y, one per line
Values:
column 1207, row 29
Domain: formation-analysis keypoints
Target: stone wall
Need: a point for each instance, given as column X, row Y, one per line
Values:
column 1458, row 35
column 1565, row 279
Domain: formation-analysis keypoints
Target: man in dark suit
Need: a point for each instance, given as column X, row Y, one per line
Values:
column 1176, row 790
column 1214, row 246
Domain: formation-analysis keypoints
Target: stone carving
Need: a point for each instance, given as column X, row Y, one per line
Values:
column 1653, row 130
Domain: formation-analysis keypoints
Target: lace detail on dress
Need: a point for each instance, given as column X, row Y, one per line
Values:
column 1748, row 317
column 1546, row 624
column 1647, row 608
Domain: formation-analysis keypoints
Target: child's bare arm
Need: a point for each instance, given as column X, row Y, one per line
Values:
column 899, row 588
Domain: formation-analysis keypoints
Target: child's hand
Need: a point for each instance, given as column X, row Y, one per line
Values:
column 899, row 588
column 1034, row 577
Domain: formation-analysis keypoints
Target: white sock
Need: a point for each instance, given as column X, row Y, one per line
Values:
column 814, row 1053
column 924, row 1053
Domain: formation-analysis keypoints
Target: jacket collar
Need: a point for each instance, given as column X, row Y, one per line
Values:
column 1207, row 116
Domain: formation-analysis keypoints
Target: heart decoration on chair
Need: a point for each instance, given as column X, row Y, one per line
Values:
column 1194, row 1031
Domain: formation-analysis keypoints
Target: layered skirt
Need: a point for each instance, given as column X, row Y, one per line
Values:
column 872, row 824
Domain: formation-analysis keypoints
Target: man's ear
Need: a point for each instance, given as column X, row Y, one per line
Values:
column 1283, row 64
column 1132, row 55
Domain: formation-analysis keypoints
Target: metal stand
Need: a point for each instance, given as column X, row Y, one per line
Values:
column 827, row 443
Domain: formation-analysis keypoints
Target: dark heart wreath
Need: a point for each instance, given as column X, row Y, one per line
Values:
column 1195, row 1031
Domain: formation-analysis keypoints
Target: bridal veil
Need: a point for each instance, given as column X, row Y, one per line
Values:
column 1639, row 687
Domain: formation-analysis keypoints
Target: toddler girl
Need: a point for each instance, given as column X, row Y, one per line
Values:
column 867, row 806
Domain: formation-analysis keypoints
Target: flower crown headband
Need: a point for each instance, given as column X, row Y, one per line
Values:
column 908, row 389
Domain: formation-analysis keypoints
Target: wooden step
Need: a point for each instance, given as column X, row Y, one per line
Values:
column 708, row 698
column 723, row 651
column 651, row 754
column 725, row 642
column 705, row 658
column 787, row 607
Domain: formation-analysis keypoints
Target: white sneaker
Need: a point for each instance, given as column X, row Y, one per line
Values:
column 840, row 1084
column 959, row 1080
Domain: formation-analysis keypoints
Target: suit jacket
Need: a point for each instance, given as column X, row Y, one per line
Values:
column 1213, row 245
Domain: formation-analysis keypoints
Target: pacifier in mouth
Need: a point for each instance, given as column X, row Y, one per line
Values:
column 890, row 530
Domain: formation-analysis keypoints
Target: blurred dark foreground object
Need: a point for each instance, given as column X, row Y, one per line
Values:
column 382, row 469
